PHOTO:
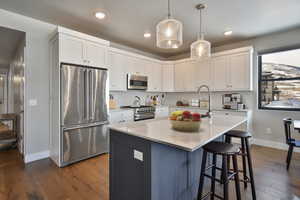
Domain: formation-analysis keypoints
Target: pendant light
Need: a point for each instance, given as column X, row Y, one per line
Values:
column 201, row 48
column 169, row 32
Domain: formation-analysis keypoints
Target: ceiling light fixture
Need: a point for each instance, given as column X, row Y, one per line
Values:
column 169, row 32
column 147, row 35
column 228, row 33
column 100, row 15
column 200, row 49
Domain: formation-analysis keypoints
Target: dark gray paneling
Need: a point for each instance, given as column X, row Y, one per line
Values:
column 129, row 177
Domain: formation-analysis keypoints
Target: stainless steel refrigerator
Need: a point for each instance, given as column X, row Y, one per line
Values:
column 84, row 112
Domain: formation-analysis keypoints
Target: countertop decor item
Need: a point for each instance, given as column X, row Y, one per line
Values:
column 169, row 32
column 200, row 49
column 185, row 121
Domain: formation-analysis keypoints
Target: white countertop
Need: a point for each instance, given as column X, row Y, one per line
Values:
column 160, row 131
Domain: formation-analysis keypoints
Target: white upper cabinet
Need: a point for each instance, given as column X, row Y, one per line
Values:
column 81, row 49
column 179, row 70
column 154, row 73
column 240, row 71
column 219, row 73
column 136, row 66
column 71, row 50
column 117, row 71
column 185, row 76
column 203, row 73
column 232, row 72
column 95, row 54
column 168, row 78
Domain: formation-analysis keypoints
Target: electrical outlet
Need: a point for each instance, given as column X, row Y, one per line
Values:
column 138, row 155
column 269, row 131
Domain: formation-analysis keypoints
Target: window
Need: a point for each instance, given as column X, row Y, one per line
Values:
column 279, row 80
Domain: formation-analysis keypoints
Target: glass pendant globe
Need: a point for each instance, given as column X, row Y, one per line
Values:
column 169, row 34
column 200, row 49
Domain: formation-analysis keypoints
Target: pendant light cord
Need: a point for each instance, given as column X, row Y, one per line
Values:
column 200, row 25
column 169, row 10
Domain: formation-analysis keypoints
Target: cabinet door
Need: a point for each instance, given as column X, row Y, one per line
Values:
column 135, row 66
column 219, row 75
column 71, row 50
column 179, row 77
column 239, row 71
column 189, row 73
column 154, row 73
column 95, row 54
column 168, row 78
column 203, row 75
column 116, row 67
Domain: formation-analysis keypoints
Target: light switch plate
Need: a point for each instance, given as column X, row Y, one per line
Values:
column 138, row 155
column 32, row 102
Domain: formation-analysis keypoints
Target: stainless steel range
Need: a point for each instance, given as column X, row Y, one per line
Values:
column 142, row 112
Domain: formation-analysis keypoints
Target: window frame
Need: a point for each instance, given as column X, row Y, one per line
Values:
column 259, row 60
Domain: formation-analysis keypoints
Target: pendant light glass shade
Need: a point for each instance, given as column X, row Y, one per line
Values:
column 200, row 49
column 169, row 32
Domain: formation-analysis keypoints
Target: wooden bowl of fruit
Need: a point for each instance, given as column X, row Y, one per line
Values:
column 185, row 121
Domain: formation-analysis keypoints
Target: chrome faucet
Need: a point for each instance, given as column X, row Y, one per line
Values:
column 208, row 114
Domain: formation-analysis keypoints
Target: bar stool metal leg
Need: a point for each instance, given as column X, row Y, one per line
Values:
column 203, row 167
column 244, row 161
column 236, row 177
column 250, row 169
column 213, row 182
column 225, row 177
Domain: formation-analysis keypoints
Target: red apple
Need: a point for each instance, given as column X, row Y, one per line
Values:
column 196, row 117
column 187, row 115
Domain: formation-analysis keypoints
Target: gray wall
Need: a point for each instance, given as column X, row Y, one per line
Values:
column 37, row 81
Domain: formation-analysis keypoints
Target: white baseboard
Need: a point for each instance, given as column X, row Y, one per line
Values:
column 271, row 144
column 36, row 156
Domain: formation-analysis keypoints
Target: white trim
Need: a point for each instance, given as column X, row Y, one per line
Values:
column 36, row 156
column 136, row 55
column 80, row 35
column 271, row 144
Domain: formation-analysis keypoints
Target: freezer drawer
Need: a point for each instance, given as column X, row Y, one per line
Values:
column 82, row 143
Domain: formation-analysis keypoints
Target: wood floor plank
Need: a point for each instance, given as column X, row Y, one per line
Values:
column 88, row 180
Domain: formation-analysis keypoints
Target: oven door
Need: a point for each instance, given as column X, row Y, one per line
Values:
column 137, row 82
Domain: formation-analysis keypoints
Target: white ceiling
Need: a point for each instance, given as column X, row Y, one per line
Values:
column 127, row 20
column 9, row 41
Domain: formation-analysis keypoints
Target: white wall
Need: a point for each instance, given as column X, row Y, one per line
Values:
column 36, row 79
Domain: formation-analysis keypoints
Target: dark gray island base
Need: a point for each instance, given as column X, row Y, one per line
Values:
column 151, row 161
column 164, row 172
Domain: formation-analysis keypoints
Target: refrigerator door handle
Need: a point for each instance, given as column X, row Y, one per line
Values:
column 91, row 95
column 86, row 95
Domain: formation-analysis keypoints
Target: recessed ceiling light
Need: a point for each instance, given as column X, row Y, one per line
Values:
column 100, row 15
column 147, row 35
column 228, row 33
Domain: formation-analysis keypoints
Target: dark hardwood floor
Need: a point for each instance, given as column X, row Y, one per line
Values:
column 88, row 180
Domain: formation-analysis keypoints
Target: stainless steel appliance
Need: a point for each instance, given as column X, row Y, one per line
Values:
column 142, row 112
column 137, row 82
column 84, row 112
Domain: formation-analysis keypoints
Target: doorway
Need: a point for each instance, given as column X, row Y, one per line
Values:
column 12, row 85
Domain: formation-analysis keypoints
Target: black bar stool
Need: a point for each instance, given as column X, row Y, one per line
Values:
column 246, row 157
column 226, row 151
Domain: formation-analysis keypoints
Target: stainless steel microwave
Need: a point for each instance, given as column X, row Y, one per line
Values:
column 137, row 82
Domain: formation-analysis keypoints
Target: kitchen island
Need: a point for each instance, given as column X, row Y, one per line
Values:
column 151, row 161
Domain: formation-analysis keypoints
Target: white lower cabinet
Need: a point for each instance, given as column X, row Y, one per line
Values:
column 120, row 116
